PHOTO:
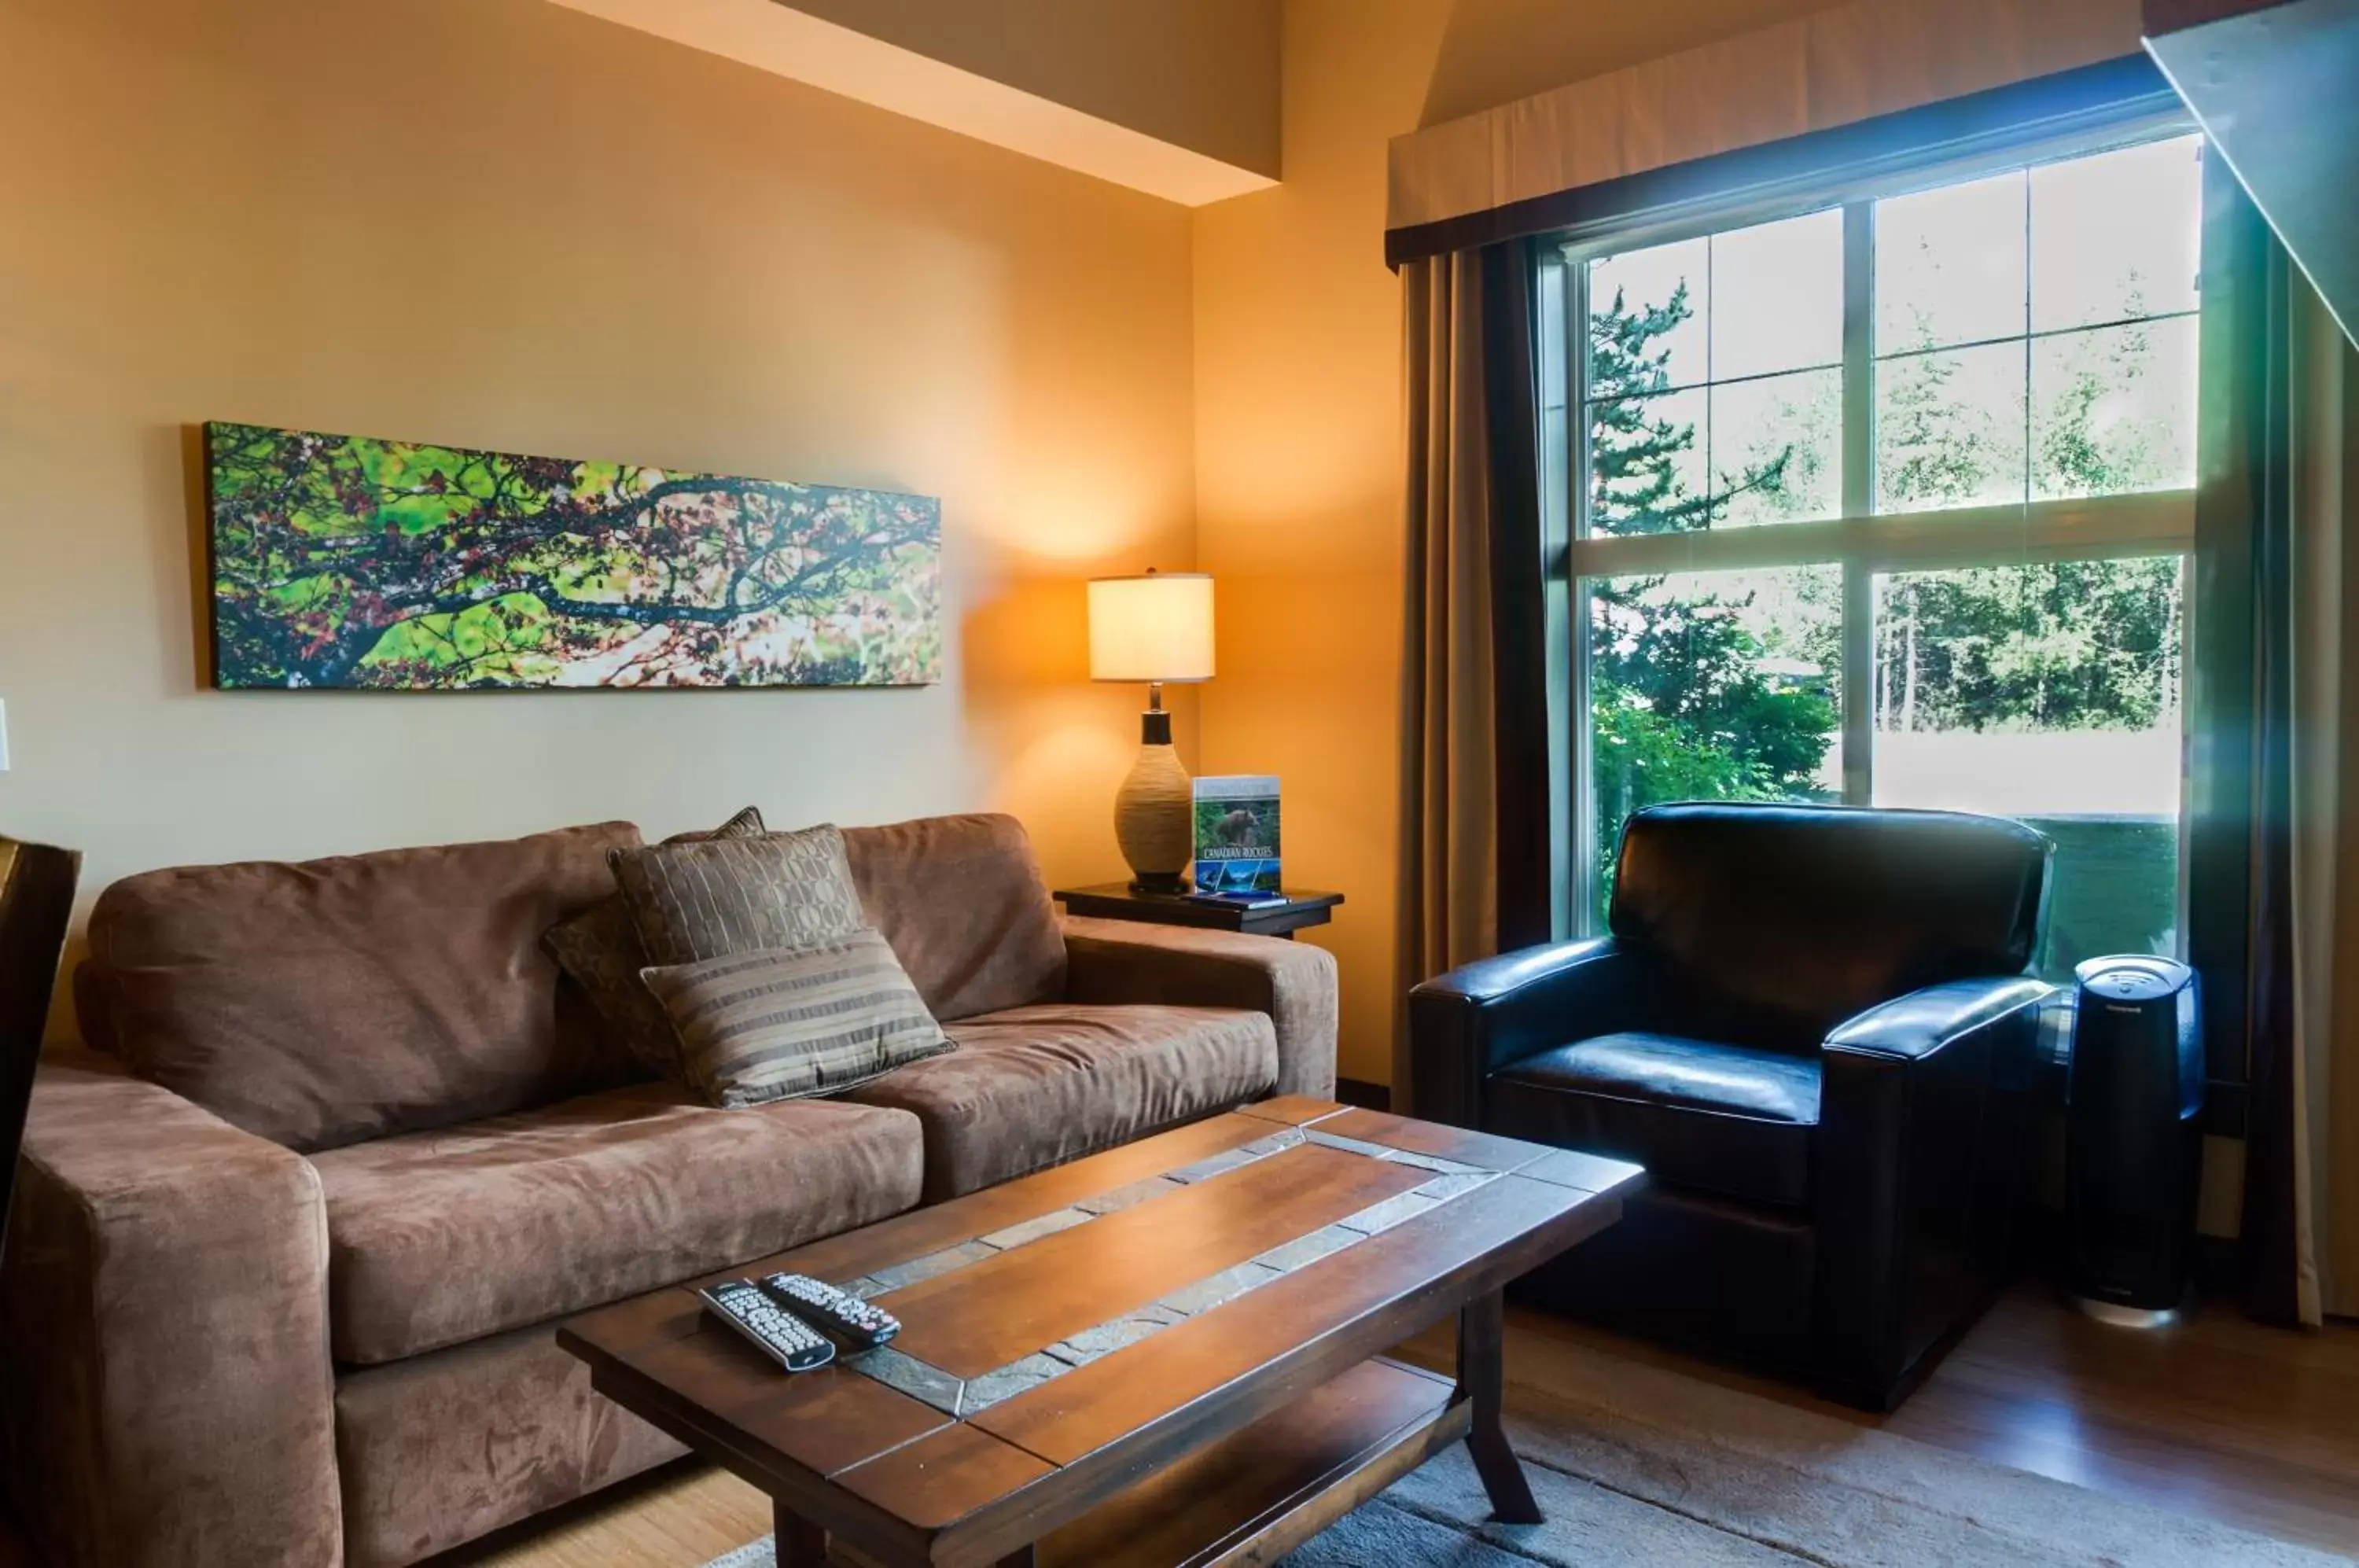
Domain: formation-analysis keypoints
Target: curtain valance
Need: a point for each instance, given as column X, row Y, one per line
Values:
column 1499, row 174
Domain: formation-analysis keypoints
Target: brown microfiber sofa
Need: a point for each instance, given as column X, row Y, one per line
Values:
column 288, row 1244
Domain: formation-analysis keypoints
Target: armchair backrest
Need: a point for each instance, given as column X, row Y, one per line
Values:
column 1775, row 923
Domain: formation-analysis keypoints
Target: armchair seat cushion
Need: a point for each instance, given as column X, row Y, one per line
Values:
column 1031, row 1088
column 438, row 1237
column 1720, row 1118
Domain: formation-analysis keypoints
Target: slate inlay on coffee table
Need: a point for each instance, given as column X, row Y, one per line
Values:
column 1166, row 1353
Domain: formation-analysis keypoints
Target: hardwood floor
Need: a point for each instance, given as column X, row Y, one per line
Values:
column 2221, row 1417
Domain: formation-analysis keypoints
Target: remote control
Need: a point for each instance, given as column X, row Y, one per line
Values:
column 783, row 1338
column 863, row 1324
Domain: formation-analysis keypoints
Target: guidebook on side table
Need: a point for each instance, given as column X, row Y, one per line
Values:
column 1236, row 834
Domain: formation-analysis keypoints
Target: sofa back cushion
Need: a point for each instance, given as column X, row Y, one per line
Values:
column 964, row 904
column 321, row 1003
column 1775, row 923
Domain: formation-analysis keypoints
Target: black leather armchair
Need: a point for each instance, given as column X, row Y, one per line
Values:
column 1814, row 1026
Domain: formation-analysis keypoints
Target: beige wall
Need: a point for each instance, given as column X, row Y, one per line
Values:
column 504, row 223
column 1495, row 51
column 1203, row 73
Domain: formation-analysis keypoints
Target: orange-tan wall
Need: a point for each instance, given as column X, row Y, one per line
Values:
column 1298, row 480
column 1299, row 423
column 500, row 222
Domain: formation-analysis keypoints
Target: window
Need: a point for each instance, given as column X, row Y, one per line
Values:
column 1888, row 502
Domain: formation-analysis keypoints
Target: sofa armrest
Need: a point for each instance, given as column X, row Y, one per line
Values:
column 1467, row 1024
column 1923, row 1152
column 1116, row 961
column 168, row 1393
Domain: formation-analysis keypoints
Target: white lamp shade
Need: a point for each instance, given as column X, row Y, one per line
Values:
column 1156, row 627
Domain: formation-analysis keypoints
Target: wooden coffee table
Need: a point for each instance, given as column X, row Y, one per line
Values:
column 1166, row 1353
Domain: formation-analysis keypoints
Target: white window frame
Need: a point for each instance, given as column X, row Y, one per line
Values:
column 1860, row 542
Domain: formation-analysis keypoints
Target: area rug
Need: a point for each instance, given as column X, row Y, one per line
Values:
column 1649, row 1469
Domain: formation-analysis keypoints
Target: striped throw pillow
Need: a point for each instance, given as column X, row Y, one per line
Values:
column 776, row 1024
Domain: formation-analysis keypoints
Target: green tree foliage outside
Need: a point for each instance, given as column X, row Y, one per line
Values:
column 345, row 562
column 1693, row 698
column 2066, row 645
column 1683, row 706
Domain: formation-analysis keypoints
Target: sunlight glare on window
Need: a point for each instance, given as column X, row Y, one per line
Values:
column 2116, row 235
column 1951, row 266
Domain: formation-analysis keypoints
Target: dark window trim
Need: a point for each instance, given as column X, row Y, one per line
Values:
column 1801, row 168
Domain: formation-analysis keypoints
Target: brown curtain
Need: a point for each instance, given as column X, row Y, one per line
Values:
column 1474, row 873
column 2309, row 1175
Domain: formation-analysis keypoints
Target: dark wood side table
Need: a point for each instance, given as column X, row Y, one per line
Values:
column 1119, row 901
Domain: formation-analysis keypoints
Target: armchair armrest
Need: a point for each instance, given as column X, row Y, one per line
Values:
column 1922, row 1022
column 1115, row 962
column 1467, row 1024
column 1923, row 1149
column 168, row 1393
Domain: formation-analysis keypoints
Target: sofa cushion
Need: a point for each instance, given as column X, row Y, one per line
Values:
column 1720, row 1117
column 323, row 1002
column 438, row 1237
column 964, row 904
column 439, row 1450
column 1036, row 1086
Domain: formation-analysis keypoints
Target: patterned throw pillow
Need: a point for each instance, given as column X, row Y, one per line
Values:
column 746, row 823
column 600, row 948
column 724, row 897
column 776, row 1025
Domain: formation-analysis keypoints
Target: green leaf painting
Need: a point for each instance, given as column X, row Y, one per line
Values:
column 344, row 561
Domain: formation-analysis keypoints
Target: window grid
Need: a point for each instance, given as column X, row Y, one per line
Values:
column 1863, row 542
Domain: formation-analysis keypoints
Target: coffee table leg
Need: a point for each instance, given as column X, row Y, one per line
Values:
column 1482, row 1339
column 801, row 1544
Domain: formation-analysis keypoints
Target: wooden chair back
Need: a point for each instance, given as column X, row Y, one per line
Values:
column 37, row 894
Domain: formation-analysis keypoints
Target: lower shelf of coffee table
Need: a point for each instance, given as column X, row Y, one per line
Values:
column 1256, row 1494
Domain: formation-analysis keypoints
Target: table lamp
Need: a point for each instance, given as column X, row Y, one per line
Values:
column 1157, row 627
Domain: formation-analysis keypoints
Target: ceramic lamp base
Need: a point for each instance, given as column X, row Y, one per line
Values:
column 1154, row 818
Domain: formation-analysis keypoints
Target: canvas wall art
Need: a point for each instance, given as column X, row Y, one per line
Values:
column 345, row 561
